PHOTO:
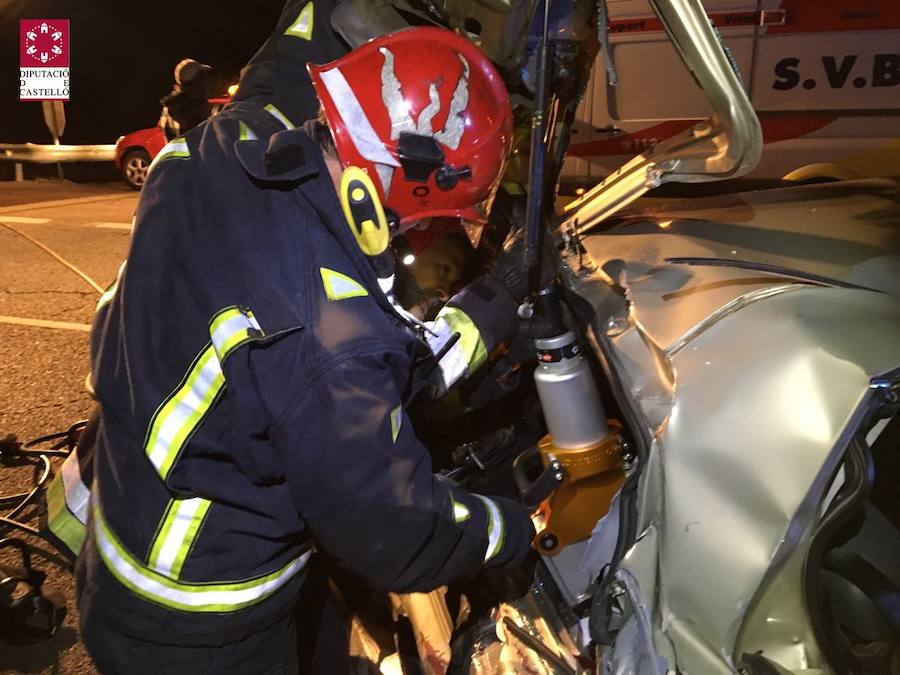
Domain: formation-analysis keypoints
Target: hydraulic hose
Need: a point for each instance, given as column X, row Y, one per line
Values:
column 534, row 206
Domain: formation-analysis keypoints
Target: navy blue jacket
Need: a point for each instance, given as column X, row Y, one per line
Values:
column 252, row 377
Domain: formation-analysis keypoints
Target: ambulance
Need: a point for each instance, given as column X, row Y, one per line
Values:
column 823, row 75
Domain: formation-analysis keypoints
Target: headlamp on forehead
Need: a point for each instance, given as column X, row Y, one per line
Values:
column 403, row 250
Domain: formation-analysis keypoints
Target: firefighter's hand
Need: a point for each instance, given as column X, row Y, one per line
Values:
column 509, row 266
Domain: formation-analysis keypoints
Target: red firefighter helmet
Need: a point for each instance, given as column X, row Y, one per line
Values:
column 425, row 113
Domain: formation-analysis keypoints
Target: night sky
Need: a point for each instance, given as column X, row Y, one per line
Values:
column 122, row 58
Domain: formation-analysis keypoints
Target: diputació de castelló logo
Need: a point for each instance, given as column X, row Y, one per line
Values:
column 44, row 59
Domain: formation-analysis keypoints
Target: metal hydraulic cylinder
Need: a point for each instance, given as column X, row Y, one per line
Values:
column 572, row 408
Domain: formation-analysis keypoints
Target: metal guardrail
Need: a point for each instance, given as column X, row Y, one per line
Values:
column 51, row 154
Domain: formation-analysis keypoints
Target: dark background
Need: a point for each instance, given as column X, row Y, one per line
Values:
column 123, row 53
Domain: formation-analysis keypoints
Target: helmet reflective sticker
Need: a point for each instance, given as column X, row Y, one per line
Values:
column 398, row 108
column 358, row 125
column 436, row 108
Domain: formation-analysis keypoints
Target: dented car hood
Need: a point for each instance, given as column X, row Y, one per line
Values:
column 749, row 379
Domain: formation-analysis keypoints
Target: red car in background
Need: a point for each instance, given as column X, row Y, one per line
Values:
column 136, row 150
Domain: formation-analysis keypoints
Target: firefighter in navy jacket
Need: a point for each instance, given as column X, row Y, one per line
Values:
column 252, row 367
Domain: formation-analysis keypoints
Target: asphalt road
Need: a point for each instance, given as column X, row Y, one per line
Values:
column 45, row 314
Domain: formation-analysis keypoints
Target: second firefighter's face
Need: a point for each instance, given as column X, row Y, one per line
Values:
column 439, row 267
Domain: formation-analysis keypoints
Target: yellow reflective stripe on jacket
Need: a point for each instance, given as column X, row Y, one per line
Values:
column 396, row 422
column 108, row 294
column 110, row 291
column 470, row 341
column 176, row 149
column 231, row 328
column 178, row 530
column 245, row 133
column 189, row 597
column 496, row 528
column 68, row 500
column 466, row 354
column 278, row 115
column 182, row 412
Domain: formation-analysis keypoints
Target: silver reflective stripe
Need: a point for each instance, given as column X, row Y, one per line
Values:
column 455, row 125
column 398, row 108
column 280, row 116
column 177, row 149
column 453, row 365
column 77, row 494
column 67, row 505
column 182, row 412
column 396, row 105
column 496, row 528
column 470, row 342
column 231, row 327
column 386, row 284
column 355, row 120
column 386, row 176
column 189, row 597
column 178, row 531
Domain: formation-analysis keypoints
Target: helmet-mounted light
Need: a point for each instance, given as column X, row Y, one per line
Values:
column 403, row 249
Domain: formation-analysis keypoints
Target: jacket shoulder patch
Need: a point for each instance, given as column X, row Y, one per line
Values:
column 339, row 286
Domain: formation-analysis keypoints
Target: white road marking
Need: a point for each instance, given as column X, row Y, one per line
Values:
column 42, row 323
column 39, row 206
column 24, row 219
column 113, row 226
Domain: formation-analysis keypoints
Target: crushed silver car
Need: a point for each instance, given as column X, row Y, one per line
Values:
column 719, row 476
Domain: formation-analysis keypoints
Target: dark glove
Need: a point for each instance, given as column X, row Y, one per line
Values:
column 509, row 266
column 491, row 301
